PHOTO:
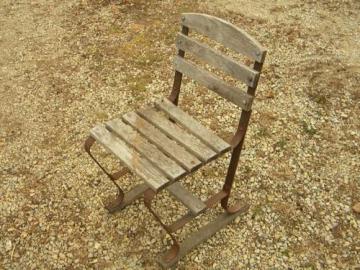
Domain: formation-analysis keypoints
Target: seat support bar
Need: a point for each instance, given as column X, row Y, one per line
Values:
column 177, row 250
column 201, row 235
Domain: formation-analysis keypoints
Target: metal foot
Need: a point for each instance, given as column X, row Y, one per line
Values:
column 201, row 235
column 233, row 208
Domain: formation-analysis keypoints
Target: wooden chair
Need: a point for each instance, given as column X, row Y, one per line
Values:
column 162, row 144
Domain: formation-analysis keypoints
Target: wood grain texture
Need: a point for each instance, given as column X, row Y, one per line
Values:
column 233, row 94
column 139, row 165
column 194, row 204
column 205, row 53
column 191, row 144
column 169, row 167
column 168, row 146
column 225, row 33
column 202, row 133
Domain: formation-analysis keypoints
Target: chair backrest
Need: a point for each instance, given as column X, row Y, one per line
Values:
column 231, row 37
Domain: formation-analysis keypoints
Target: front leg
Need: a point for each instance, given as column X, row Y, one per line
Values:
column 115, row 203
column 173, row 252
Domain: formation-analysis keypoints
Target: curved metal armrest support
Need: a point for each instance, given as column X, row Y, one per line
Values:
column 238, row 137
column 120, row 193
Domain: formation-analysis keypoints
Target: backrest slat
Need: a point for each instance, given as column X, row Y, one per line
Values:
column 225, row 33
column 237, row 70
column 233, row 94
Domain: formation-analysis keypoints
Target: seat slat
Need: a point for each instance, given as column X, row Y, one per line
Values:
column 148, row 150
column 194, row 204
column 141, row 166
column 191, row 144
column 169, row 147
column 233, row 94
column 210, row 56
column 225, row 33
column 198, row 130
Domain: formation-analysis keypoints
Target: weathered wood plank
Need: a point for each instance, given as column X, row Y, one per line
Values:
column 172, row 130
column 194, row 204
column 225, row 33
column 237, row 70
column 148, row 150
column 198, row 130
column 233, row 94
column 142, row 167
column 169, row 147
column 204, row 233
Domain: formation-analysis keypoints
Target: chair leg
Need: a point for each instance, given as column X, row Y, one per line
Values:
column 200, row 236
column 179, row 250
column 229, row 180
column 237, row 146
column 118, row 201
column 173, row 252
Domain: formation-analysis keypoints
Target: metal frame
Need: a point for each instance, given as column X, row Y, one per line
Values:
column 177, row 250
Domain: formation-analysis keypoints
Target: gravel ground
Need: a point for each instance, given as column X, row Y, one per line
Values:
column 67, row 65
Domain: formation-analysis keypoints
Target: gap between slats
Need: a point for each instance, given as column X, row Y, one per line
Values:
column 169, row 147
column 141, row 166
column 193, row 126
column 203, row 52
column 225, row 33
column 233, row 94
column 145, row 148
column 191, row 144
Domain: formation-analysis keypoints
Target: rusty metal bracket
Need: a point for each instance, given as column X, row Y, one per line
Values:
column 238, row 137
column 172, row 253
column 113, row 177
column 176, row 250
column 205, row 232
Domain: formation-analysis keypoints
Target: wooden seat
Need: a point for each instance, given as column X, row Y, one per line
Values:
column 162, row 144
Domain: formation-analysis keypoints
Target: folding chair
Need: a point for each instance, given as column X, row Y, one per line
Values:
column 162, row 144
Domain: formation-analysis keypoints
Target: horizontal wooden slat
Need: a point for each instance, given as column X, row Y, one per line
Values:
column 148, row 150
column 191, row 144
column 169, row 147
column 216, row 59
column 142, row 167
column 233, row 94
column 225, row 33
column 198, row 130
column 194, row 204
